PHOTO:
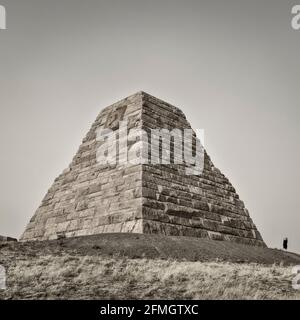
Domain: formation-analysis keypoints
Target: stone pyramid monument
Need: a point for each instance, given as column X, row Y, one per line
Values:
column 92, row 197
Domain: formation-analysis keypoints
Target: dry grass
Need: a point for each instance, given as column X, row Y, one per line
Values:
column 96, row 277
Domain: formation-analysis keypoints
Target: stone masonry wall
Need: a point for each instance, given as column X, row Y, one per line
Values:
column 178, row 204
column 90, row 198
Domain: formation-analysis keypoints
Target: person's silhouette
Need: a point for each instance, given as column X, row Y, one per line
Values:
column 285, row 243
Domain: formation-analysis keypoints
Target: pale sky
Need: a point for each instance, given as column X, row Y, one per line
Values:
column 231, row 66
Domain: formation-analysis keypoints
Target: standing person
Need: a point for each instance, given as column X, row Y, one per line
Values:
column 285, row 243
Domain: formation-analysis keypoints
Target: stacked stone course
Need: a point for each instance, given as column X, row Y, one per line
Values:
column 90, row 198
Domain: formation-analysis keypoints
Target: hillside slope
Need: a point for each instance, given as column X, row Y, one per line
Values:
column 134, row 266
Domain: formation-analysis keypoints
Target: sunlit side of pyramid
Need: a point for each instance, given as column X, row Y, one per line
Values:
column 91, row 198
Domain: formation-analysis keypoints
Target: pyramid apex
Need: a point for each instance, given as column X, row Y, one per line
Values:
column 142, row 93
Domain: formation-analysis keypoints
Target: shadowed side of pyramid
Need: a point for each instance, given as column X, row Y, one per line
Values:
column 91, row 197
column 204, row 205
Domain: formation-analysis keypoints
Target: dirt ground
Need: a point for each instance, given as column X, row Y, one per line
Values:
column 135, row 266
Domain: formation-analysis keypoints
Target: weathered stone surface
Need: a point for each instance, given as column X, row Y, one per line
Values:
column 7, row 239
column 90, row 198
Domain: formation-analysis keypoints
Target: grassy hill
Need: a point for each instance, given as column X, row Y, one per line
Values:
column 134, row 266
